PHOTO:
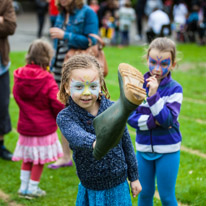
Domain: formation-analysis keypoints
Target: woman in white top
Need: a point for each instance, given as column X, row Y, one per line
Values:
column 180, row 13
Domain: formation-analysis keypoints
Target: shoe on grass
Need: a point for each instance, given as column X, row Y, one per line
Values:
column 5, row 153
column 53, row 166
column 22, row 193
column 36, row 193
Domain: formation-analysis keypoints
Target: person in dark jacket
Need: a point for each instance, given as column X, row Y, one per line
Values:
column 7, row 27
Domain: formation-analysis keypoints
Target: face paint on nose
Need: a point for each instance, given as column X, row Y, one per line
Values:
column 86, row 89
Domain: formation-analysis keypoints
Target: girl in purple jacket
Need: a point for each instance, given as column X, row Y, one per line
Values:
column 158, row 138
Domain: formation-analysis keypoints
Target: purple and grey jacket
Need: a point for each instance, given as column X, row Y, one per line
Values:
column 164, row 106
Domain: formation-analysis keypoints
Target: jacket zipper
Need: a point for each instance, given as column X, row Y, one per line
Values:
column 151, row 140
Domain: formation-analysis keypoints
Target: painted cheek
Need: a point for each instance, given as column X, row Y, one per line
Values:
column 151, row 67
column 95, row 92
column 152, row 63
column 164, row 71
column 73, row 91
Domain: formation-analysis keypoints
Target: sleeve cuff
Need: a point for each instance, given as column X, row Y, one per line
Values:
column 68, row 35
column 134, row 177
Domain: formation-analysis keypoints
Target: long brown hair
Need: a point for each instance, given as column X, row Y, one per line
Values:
column 75, row 4
column 81, row 61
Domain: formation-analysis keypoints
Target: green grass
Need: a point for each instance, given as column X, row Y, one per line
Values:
column 62, row 185
column 191, row 182
column 193, row 134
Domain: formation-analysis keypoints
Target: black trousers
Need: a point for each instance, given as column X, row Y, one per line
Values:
column 41, row 14
column 5, row 123
column 150, row 36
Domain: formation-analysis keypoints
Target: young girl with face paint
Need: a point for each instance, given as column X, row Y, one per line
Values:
column 35, row 92
column 102, row 182
column 158, row 138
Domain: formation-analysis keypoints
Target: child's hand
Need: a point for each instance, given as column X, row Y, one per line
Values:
column 135, row 187
column 153, row 85
column 56, row 33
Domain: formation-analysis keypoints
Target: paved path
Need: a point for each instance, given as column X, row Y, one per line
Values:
column 26, row 31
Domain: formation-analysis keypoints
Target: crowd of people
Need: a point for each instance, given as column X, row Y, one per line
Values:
column 51, row 92
column 183, row 20
column 153, row 18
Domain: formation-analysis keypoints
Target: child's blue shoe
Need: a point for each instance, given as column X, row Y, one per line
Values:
column 36, row 193
column 22, row 193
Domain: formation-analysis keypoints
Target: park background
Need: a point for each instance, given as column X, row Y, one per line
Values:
column 61, row 185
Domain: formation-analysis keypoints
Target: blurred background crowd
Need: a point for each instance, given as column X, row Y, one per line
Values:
column 185, row 21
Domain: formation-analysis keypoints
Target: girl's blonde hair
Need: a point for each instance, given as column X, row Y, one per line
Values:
column 81, row 61
column 163, row 44
column 75, row 4
column 40, row 52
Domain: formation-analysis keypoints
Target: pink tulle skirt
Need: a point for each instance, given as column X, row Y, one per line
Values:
column 39, row 150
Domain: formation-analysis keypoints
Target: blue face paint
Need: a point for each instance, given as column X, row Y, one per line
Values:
column 85, row 88
column 162, row 65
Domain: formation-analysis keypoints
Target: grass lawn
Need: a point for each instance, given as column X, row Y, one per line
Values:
column 61, row 185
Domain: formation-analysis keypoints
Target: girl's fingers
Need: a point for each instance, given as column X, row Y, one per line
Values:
column 151, row 79
column 134, row 192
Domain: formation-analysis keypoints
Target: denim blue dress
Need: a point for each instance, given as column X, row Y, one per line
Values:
column 116, row 196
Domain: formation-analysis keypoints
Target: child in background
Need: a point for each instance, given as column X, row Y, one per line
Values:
column 126, row 17
column 35, row 92
column 180, row 13
column 107, row 29
column 192, row 26
column 158, row 138
column 102, row 182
